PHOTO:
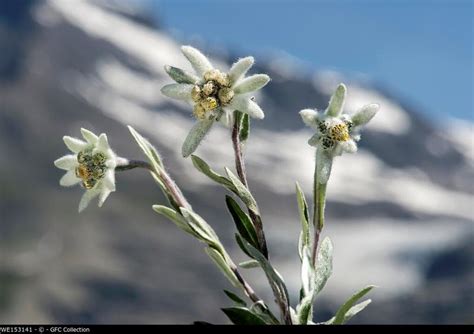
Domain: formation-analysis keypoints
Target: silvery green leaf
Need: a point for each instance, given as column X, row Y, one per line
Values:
column 181, row 76
column 195, row 136
column 201, row 227
column 304, row 219
column 323, row 165
column 236, row 299
column 204, row 168
column 365, row 114
column 239, row 241
column 336, row 104
column 74, row 144
column 309, row 117
column 242, row 191
column 274, row 278
column 149, row 150
column 356, row 309
column 308, row 278
column 261, row 309
column 251, row 83
column 221, row 262
column 249, row 264
column 304, row 311
column 175, row 217
column 344, row 309
column 244, row 104
column 323, row 268
column 239, row 68
column 244, row 128
column 242, row 221
column 243, row 316
column 314, row 140
column 198, row 61
column 178, row 91
column 165, row 191
column 308, row 274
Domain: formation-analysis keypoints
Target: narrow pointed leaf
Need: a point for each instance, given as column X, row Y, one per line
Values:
column 244, row 128
column 204, row 168
column 147, row 148
column 181, row 76
column 365, row 114
column 356, row 309
column 336, row 104
column 323, row 268
column 274, row 278
column 344, row 309
column 304, row 219
column 249, row 264
column 251, row 83
column 198, row 61
column 243, row 316
column 175, row 217
column 236, row 299
column 222, row 264
column 242, row 221
column 195, row 136
column 242, row 191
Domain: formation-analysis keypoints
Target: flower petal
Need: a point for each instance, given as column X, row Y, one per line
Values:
column 323, row 165
column 246, row 105
column 365, row 114
column 349, row 146
column 227, row 118
column 336, row 104
column 198, row 61
column 69, row 179
column 89, row 136
column 310, row 117
column 67, row 162
column 195, row 136
column 74, row 144
column 239, row 68
column 109, row 180
column 103, row 196
column 88, row 196
column 181, row 76
column 314, row 140
column 251, row 83
column 102, row 143
column 178, row 91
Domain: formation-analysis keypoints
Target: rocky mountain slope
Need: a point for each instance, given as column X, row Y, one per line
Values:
column 400, row 211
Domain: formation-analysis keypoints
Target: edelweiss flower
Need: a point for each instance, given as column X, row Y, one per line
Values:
column 213, row 94
column 335, row 132
column 92, row 164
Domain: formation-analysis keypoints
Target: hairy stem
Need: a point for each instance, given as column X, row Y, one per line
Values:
column 247, row 288
column 179, row 198
column 175, row 192
column 319, row 202
column 131, row 164
column 241, row 172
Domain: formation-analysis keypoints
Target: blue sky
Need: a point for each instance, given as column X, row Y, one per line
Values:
column 422, row 50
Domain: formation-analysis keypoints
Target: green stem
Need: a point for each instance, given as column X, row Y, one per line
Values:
column 319, row 202
column 241, row 172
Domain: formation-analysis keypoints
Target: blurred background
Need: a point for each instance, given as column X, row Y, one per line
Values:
column 400, row 212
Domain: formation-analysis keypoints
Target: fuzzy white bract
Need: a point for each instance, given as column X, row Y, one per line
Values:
column 336, row 132
column 92, row 165
column 213, row 94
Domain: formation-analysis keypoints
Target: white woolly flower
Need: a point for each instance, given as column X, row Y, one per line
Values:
column 92, row 164
column 336, row 132
column 213, row 94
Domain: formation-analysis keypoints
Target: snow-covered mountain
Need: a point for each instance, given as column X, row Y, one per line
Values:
column 400, row 211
